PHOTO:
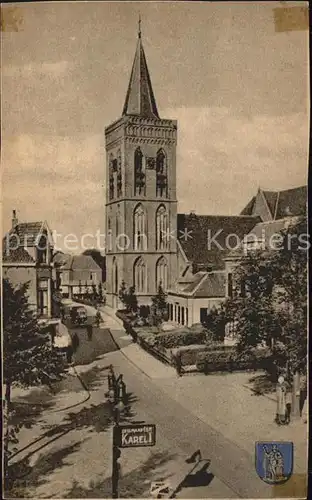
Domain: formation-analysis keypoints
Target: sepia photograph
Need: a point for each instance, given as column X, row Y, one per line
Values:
column 154, row 214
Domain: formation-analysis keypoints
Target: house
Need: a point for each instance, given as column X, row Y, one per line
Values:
column 78, row 274
column 274, row 205
column 277, row 211
column 27, row 258
column 203, row 242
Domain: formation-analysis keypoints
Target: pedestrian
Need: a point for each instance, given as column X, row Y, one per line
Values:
column 89, row 332
column 69, row 354
column 75, row 342
column 281, row 401
column 288, row 401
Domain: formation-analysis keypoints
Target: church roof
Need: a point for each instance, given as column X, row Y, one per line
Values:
column 140, row 99
column 281, row 203
column 204, row 238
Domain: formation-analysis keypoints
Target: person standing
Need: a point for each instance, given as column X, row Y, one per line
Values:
column 288, row 401
column 281, row 401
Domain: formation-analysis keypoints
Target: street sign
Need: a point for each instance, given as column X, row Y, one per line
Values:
column 133, row 436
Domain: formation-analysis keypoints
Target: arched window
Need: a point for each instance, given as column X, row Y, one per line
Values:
column 139, row 275
column 139, row 229
column 118, row 222
column 161, row 174
column 119, row 174
column 139, row 174
column 162, row 273
column 162, row 228
column 115, row 276
column 111, row 177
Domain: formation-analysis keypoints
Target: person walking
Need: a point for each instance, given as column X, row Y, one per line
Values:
column 75, row 342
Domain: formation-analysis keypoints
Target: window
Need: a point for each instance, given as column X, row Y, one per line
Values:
column 139, row 229
column 182, row 315
column 111, row 176
column 203, row 314
column 179, row 314
column 118, row 222
column 161, row 174
column 115, row 277
column 139, row 174
column 119, row 174
column 42, row 297
column 42, row 247
column 162, row 235
column 162, row 273
column 171, row 311
column 139, row 275
column 186, row 316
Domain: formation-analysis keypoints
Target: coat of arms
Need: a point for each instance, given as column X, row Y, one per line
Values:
column 274, row 461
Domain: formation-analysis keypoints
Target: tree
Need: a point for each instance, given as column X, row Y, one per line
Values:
column 215, row 323
column 94, row 292
column 128, row 297
column 100, row 292
column 29, row 357
column 269, row 303
column 159, row 306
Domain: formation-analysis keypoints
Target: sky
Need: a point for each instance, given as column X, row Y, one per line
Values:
column 238, row 88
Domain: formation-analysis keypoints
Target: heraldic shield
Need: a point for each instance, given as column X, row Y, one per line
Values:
column 274, row 461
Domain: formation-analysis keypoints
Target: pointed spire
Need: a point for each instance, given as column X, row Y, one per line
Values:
column 140, row 98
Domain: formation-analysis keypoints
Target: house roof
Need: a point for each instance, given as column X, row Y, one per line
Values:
column 205, row 285
column 263, row 231
column 27, row 233
column 81, row 262
column 212, row 286
column 18, row 255
column 196, row 233
column 282, row 203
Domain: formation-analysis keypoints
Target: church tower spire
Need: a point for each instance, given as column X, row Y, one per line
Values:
column 140, row 99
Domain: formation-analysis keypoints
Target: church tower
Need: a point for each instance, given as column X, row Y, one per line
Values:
column 141, row 204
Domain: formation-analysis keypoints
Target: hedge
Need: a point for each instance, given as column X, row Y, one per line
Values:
column 188, row 354
column 223, row 360
column 173, row 339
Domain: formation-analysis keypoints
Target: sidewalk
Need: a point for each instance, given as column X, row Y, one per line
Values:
column 145, row 362
column 223, row 402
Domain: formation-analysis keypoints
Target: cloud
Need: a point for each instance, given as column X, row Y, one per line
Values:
column 221, row 161
column 222, row 158
column 60, row 179
column 52, row 69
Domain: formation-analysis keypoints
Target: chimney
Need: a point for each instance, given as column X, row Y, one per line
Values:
column 14, row 219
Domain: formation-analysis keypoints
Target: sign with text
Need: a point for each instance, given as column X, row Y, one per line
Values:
column 132, row 436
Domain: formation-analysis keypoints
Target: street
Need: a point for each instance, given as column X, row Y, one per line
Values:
column 76, row 462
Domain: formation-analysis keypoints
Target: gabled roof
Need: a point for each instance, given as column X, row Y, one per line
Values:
column 205, row 285
column 140, row 98
column 19, row 255
column 262, row 232
column 281, row 203
column 202, row 228
column 292, row 202
column 28, row 232
column 212, row 286
column 81, row 262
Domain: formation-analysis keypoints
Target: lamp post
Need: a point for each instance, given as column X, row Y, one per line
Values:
column 116, row 397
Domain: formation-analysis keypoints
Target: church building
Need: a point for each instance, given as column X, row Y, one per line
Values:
column 141, row 203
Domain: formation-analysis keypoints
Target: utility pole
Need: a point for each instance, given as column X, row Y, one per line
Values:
column 116, row 396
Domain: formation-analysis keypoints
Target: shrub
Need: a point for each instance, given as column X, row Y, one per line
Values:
column 188, row 354
column 144, row 311
column 229, row 360
column 173, row 339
